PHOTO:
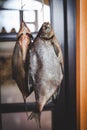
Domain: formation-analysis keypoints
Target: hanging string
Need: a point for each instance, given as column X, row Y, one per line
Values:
column 21, row 11
column 22, row 5
column 42, row 9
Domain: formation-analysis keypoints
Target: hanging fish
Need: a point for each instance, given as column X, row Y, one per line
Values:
column 19, row 60
column 45, row 68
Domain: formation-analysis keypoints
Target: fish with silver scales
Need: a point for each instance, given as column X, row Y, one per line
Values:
column 45, row 68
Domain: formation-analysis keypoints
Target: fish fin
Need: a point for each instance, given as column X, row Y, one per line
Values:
column 50, row 100
column 56, row 49
column 36, row 116
column 30, row 84
column 56, row 94
column 62, row 67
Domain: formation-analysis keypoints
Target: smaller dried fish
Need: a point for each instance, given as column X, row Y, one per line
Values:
column 19, row 60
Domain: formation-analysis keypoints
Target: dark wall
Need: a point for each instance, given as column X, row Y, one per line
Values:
column 63, row 20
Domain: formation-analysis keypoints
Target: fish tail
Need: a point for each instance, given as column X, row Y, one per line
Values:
column 36, row 116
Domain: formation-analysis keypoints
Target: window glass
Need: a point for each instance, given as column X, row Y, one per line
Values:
column 29, row 16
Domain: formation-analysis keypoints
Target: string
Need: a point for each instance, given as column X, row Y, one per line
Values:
column 42, row 9
column 22, row 5
column 21, row 12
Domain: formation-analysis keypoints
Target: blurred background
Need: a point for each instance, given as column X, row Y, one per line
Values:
column 33, row 15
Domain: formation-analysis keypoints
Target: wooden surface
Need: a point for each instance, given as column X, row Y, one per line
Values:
column 78, row 63
column 82, row 66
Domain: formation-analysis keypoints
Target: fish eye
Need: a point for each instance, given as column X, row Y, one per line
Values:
column 44, row 27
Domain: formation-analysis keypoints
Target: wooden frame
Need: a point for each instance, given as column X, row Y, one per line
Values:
column 81, row 64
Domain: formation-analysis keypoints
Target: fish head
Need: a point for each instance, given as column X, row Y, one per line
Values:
column 46, row 31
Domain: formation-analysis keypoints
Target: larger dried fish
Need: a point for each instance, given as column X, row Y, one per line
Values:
column 45, row 67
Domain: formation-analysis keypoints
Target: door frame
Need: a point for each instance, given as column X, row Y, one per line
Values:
column 63, row 19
